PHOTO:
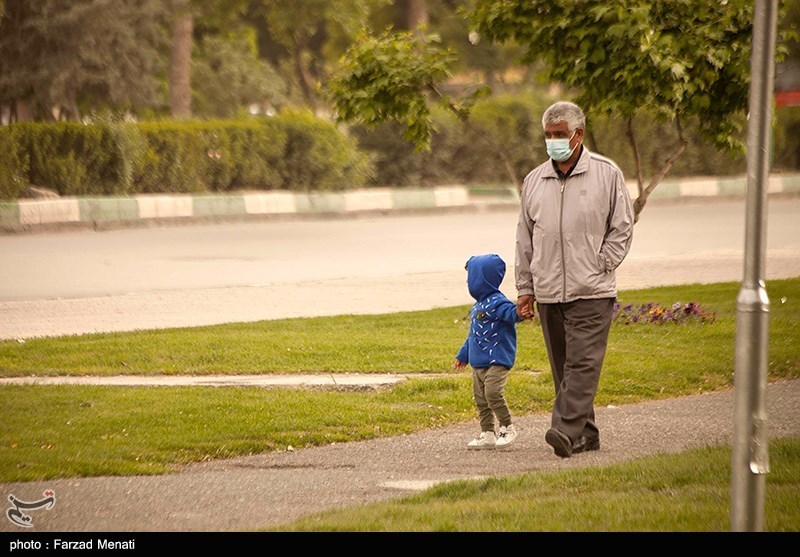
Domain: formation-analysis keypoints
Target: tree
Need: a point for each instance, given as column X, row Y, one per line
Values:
column 681, row 60
column 391, row 77
column 186, row 16
column 180, row 60
column 417, row 14
column 228, row 76
column 59, row 57
column 307, row 27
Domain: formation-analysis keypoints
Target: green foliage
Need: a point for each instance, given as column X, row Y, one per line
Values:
column 683, row 60
column 180, row 158
column 318, row 156
column 75, row 159
column 227, row 75
column 787, row 139
column 293, row 150
column 312, row 33
column 395, row 161
column 78, row 55
column 458, row 153
column 388, row 78
column 656, row 139
column 14, row 164
column 514, row 122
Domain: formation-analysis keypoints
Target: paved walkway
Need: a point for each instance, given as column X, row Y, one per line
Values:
column 272, row 489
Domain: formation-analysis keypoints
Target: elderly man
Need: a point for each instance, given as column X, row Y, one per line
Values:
column 575, row 228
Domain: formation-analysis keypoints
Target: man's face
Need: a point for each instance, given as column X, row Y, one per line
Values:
column 561, row 131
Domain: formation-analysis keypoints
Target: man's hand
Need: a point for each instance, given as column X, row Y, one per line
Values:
column 458, row 365
column 525, row 306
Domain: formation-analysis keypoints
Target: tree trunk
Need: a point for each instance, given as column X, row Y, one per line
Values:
column 416, row 13
column 23, row 111
column 644, row 193
column 180, row 60
column 303, row 79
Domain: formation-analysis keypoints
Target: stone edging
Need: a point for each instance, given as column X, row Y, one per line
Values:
column 99, row 211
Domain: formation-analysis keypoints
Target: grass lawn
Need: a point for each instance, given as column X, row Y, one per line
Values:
column 65, row 431
column 688, row 492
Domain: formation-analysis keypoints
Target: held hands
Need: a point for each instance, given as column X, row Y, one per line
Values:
column 525, row 306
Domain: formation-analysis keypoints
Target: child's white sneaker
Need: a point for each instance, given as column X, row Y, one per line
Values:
column 506, row 435
column 486, row 440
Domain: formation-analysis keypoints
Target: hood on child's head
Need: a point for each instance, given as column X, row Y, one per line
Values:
column 484, row 275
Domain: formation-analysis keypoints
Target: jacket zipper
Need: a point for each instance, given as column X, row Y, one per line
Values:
column 561, row 243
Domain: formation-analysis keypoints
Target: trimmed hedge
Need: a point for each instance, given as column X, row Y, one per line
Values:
column 297, row 151
column 14, row 161
column 459, row 155
column 291, row 151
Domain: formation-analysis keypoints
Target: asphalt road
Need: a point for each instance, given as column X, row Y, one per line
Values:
column 82, row 282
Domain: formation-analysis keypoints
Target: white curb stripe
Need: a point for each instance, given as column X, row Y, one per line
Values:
column 44, row 212
column 270, row 202
column 164, row 206
column 367, row 200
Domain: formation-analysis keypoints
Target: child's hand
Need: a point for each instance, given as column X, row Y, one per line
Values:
column 459, row 365
column 525, row 307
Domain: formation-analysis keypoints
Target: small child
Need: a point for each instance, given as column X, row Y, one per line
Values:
column 490, row 348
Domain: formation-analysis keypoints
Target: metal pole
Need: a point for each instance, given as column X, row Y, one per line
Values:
column 750, row 461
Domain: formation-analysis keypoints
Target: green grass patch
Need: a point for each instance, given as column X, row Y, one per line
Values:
column 687, row 492
column 688, row 357
column 64, row 431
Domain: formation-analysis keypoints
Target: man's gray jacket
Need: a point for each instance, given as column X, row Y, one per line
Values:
column 573, row 234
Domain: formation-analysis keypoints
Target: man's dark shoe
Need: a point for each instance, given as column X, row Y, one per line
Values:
column 561, row 444
column 584, row 444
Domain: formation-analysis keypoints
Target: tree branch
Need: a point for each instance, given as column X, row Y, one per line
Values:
column 640, row 202
column 671, row 160
column 486, row 136
column 637, row 159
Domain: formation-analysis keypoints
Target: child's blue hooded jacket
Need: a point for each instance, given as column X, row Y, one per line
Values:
column 492, row 338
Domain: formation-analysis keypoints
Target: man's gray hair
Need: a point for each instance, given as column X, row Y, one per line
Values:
column 564, row 111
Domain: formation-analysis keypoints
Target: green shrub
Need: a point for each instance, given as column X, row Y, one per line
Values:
column 395, row 162
column 292, row 151
column 786, row 151
column 14, row 163
column 71, row 158
column 318, row 156
column 459, row 153
column 177, row 159
column 129, row 147
column 76, row 159
column 296, row 150
column 257, row 149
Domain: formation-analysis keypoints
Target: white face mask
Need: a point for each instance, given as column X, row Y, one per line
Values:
column 558, row 149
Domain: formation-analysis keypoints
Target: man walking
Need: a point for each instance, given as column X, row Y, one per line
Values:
column 575, row 228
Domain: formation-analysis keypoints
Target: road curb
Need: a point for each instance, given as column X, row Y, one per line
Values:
column 28, row 215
